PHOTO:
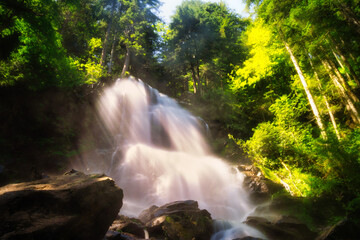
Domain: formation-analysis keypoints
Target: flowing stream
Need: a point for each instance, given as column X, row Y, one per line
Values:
column 161, row 156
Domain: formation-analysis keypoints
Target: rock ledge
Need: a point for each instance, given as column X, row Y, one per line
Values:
column 72, row 206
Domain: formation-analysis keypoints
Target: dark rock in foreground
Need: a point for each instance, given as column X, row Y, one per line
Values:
column 285, row 228
column 181, row 220
column 73, row 206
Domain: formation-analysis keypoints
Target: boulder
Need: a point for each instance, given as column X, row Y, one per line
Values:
column 181, row 220
column 284, row 228
column 259, row 187
column 72, row 206
column 128, row 225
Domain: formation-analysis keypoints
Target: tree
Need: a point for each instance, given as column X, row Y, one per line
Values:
column 137, row 29
column 204, row 36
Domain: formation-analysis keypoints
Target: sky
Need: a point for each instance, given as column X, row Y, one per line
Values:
column 169, row 6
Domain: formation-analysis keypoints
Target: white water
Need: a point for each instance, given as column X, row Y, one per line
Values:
column 161, row 156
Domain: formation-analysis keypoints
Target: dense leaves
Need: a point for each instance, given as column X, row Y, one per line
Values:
column 203, row 41
column 318, row 40
column 35, row 55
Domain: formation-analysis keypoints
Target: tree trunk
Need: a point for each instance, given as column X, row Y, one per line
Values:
column 126, row 63
column 194, row 79
column 347, row 100
column 107, row 34
column 307, row 91
column 112, row 54
column 198, row 79
column 343, row 82
column 346, row 62
column 336, row 56
column 332, row 118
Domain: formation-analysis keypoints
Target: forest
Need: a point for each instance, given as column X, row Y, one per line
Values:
column 282, row 85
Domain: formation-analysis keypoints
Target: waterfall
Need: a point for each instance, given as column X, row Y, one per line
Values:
column 161, row 156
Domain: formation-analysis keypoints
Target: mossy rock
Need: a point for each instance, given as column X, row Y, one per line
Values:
column 188, row 225
column 181, row 220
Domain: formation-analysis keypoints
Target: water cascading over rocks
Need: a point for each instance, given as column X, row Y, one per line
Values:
column 161, row 155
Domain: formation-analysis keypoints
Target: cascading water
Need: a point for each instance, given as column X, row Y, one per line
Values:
column 161, row 157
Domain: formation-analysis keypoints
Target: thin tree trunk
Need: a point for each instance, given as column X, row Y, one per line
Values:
column 198, row 79
column 332, row 118
column 194, row 79
column 103, row 52
column 348, row 102
column 112, row 54
column 307, row 91
column 341, row 64
column 126, row 63
column 346, row 62
column 343, row 82
column 107, row 34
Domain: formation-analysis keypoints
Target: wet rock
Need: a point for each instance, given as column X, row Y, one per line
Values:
column 72, row 206
column 181, row 220
column 343, row 230
column 128, row 225
column 284, row 228
column 259, row 187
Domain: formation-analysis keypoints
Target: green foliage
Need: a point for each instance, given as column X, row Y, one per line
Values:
column 287, row 152
column 37, row 59
column 264, row 55
column 284, row 146
column 91, row 70
column 203, row 39
column 285, row 142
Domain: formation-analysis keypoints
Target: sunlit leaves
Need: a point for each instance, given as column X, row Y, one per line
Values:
column 94, row 43
column 264, row 54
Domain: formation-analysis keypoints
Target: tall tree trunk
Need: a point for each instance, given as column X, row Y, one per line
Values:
column 339, row 52
column 342, row 81
column 347, row 100
column 336, row 56
column 126, row 63
column 307, row 91
column 198, row 79
column 107, row 35
column 112, row 54
column 194, row 79
column 332, row 118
